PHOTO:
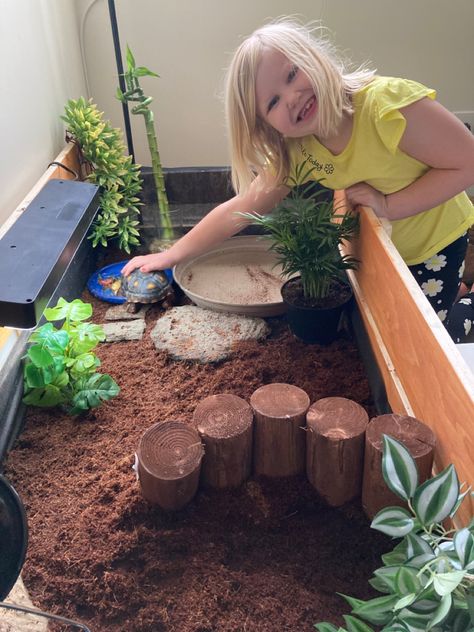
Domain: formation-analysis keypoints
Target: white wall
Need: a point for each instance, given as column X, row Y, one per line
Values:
column 189, row 44
column 41, row 69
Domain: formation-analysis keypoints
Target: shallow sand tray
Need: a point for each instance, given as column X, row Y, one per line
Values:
column 241, row 276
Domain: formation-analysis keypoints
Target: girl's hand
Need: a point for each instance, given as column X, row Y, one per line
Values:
column 148, row 263
column 362, row 193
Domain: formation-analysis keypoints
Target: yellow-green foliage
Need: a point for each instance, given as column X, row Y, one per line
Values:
column 103, row 150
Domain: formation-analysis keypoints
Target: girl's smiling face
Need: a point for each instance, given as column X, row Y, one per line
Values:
column 285, row 97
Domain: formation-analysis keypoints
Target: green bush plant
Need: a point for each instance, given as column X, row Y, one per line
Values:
column 102, row 153
column 427, row 581
column 60, row 367
column 134, row 94
column 306, row 231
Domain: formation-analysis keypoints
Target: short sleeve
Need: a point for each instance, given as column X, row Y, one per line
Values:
column 387, row 99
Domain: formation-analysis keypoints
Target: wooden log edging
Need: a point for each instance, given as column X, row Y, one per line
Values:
column 225, row 424
column 419, row 440
column 168, row 464
column 335, row 448
column 279, row 436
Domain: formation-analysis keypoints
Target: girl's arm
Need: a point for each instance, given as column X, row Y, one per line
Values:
column 219, row 224
column 436, row 137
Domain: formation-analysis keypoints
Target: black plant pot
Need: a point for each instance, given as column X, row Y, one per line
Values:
column 315, row 324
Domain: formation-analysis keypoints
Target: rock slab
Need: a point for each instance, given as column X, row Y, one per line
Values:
column 202, row 335
column 124, row 330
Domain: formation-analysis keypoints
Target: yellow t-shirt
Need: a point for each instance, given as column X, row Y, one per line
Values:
column 372, row 155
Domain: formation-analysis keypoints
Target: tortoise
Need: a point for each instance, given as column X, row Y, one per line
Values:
column 147, row 287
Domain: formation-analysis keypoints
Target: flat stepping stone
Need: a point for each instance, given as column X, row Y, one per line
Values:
column 193, row 333
column 119, row 312
column 124, row 330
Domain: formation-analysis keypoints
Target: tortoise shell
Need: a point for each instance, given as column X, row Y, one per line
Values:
column 145, row 287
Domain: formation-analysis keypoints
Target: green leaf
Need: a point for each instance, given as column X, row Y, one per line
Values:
column 355, row 625
column 416, row 545
column 405, row 601
column 462, row 623
column 378, row 610
column 48, row 397
column 387, row 576
column 464, row 546
column 434, row 499
column 407, row 581
column 141, row 71
column 325, row 627
column 414, row 622
column 85, row 363
column 441, row 612
column 36, row 377
column 418, row 561
column 75, row 311
column 397, row 555
column 50, row 338
column 130, row 59
column 445, row 583
column 91, row 392
column 40, row 356
column 394, row 521
column 398, row 468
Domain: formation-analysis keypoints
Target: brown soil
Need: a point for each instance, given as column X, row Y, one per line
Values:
column 267, row 557
column 338, row 294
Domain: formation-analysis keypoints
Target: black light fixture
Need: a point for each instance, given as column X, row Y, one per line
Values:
column 37, row 250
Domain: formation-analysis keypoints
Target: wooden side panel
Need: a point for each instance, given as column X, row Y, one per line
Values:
column 425, row 375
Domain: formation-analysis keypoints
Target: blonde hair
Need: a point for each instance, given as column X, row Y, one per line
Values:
column 254, row 144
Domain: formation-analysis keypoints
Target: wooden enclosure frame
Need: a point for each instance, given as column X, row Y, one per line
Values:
column 424, row 374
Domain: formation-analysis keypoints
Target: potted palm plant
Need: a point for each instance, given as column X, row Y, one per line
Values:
column 306, row 230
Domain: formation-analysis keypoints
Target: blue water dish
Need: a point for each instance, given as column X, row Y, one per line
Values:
column 101, row 283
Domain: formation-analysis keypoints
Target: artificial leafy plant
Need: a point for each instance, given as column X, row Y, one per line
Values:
column 427, row 581
column 134, row 94
column 60, row 367
column 306, row 230
column 102, row 154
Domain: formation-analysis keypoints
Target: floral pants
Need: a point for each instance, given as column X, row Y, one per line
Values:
column 439, row 278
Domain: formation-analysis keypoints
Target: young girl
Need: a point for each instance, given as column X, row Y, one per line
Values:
column 386, row 141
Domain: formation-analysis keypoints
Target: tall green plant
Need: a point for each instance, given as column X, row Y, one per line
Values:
column 134, row 94
column 306, row 231
column 427, row 581
column 60, row 367
column 102, row 152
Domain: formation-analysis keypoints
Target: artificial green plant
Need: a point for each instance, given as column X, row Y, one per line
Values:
column 60, row 367
column 306, row 230
column 427, row 581
column 134, row 94
column 102, row 154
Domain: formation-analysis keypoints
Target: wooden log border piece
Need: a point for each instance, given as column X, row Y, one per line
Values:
column 169, row 463
column 279, row 435
column 424, row 374
column 335, row 441
column 419, row 440
column 225, row 424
